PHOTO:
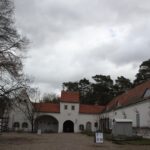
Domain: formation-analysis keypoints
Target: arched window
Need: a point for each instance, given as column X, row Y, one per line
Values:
column 16, row 125
column 81, row 127
column 88, row 126
column 24, row 125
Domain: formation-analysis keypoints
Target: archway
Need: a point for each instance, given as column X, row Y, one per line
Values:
column 47, row 124
column 68, row 126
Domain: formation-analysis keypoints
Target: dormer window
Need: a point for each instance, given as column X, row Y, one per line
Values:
column 118, row 104
column 147, row 93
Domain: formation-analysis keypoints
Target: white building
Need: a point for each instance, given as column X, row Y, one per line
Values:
column 134, row 104
column 71, row 116
column 67, row 116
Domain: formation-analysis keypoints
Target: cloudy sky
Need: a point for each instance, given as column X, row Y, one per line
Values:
column 73, row 39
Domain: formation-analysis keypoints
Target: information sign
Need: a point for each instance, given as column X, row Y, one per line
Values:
column 99, row 137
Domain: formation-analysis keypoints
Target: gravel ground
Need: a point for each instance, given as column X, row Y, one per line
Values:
column 22, row 141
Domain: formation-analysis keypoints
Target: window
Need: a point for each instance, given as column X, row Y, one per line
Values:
column 24, row 125
column 137, row 119
column 81, row 127
column 110, row 123
column 16, row 125
column 88, row 126
column 66, row 107
column 95, row 124
column 124, row 115
column 73, row 107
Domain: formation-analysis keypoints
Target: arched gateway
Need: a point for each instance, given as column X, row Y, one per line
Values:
column 68, row 126
column 47, row 124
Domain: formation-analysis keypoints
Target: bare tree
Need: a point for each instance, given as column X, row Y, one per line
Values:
column 11, row 48
column 11, row 43
column 32, row 113
column 26, row 102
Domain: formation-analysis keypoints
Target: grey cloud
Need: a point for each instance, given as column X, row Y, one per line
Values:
column 56, row 18
column 63, row 49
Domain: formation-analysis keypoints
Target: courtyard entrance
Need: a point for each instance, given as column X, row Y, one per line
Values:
column 68, row 126
column 47, row 124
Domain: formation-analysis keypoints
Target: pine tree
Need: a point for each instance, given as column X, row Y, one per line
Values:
column 143, row 73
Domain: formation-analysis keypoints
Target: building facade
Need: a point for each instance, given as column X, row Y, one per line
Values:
column 67, row 116
column 134, row 105
column 71, row 116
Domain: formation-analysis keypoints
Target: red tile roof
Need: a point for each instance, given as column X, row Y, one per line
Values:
column 70, row 97
column 47, row 107
column 55, row 108
column 131, row 96
column 91, row 109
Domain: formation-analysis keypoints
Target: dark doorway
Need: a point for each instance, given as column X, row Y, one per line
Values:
column 68, row 126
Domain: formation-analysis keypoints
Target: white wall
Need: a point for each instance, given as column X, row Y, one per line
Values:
column 84, row 118
column 16, row 115
column 72, row 115
column 65, row 114
column 143, row 108
column 19, row 112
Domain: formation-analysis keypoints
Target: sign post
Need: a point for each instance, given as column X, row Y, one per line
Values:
column 99, row 137
column 39, row 131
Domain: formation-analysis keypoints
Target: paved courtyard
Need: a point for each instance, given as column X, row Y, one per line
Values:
column 21, row 141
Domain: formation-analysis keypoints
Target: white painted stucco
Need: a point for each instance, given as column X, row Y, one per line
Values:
column 16, row 115
column 142, row 108
column 138, row 112
column 77, row 118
